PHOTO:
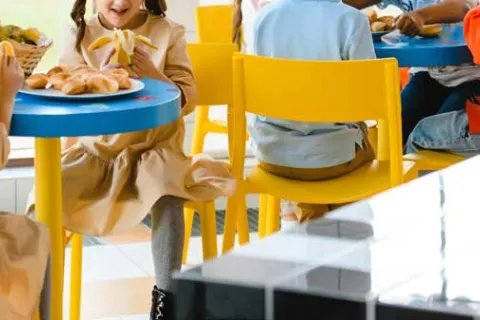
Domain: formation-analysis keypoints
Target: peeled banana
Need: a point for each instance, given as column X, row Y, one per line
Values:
column 124, row 43
column 8, row 47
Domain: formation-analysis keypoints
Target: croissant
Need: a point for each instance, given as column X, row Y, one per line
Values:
column 37, row 81
column 74, row 85
column 372, row 16
column 57, row 80
column 431, row 30
column 101, row 84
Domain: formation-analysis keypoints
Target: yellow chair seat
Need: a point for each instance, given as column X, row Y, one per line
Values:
column 365, row 182
column 433, row 160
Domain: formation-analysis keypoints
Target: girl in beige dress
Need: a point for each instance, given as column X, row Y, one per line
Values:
column 112, row 182
column 24, row 244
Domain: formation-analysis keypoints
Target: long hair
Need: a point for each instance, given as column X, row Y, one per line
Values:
column 237, row 23
column 154, row 7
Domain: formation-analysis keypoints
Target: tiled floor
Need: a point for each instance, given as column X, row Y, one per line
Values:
column 118, row 276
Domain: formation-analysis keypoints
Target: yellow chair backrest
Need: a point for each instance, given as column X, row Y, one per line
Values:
column 214, row 24
column 212, row 67
column 318, row 91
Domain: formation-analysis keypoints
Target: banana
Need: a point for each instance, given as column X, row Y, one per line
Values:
column 124, row 42
column 9, row 48
column 31, row 34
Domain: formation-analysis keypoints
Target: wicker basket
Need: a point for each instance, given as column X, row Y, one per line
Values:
column 28, row 55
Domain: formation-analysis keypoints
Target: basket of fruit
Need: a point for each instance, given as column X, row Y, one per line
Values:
column 29, row 45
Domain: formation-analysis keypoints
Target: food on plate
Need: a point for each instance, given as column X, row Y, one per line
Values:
column 124, row 42
column 37, row 81
column 74, row 85
column 378, row 26
column 120, row 77
column 101, row 84
column 57, row 69
column 389, row 22
column 75, row 80
column 431, row 30
column 57, row 80
column 372, row 16
column 8, row 48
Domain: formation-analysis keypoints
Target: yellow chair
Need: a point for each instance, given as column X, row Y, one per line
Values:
column 212, row 67
column 214, row 25
column 429, row 160
column 347, row 91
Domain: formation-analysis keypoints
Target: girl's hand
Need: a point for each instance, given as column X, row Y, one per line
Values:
column 144, row 67
column 106, row 65
column 11, row 77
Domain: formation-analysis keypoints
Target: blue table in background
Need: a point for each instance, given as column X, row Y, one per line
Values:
column 49, row 120
column 447, row 49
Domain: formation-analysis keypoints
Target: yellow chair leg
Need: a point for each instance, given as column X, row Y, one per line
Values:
column 242, row 223
column 76, row 277
column 198, row 139
column 273, row 215
column 262, row 215
column 230, row 222
column 188, row 214
column 208, row 225
column 48, row 209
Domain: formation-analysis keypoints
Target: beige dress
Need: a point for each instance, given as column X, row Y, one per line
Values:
column 24, row 247
column 111, row 182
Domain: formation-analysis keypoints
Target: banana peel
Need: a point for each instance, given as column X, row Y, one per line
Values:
column 124, row 42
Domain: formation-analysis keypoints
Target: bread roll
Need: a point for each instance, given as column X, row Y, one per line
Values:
column 430, row 31
column 372, row 16
column 56, row 70
column 378, row 26
column 389, row 22
column 119, row 71
column 57, row 80
column 74, row 85
column 37, row 81
column 101, row 84
column 123, row 81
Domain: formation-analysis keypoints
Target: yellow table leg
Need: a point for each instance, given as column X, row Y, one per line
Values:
column 48, row 209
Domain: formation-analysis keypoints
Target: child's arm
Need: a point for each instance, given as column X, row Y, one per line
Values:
column 362, row 4
column 448, row 11
column 179, row 70
column 11, row 80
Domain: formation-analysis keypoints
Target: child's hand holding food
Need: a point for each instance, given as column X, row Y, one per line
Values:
column 144, row 67
column 410, row 23
column 11, row 80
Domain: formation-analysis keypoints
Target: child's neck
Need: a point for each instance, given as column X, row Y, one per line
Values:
column 135, row 23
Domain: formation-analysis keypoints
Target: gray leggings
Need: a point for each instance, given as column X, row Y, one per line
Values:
column 167, row 239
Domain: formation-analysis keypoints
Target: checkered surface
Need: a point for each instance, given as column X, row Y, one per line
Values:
column 410, row 253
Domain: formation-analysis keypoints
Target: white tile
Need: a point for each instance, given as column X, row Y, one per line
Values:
column 140, row 254
column 104, row 263
column 24, row 172
column 23, row 188
column 110, row 319
column 7, row 195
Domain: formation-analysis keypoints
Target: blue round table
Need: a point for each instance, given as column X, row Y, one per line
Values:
column 49, row 120
column 447, row 49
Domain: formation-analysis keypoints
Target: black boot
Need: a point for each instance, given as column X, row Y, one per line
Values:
column 162, row 305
